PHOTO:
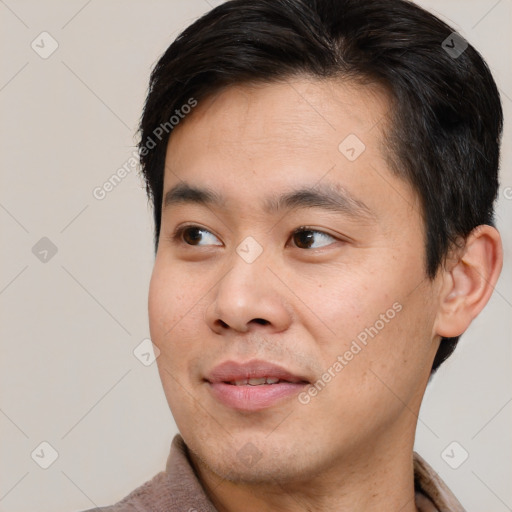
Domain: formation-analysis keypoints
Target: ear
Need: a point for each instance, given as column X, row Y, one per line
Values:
column 468, row 281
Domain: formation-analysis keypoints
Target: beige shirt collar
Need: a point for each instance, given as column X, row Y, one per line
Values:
column 432, row 494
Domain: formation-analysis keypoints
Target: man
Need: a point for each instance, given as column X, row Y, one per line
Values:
column 323, row 176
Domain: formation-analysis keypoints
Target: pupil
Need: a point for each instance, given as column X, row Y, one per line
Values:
column 306, row 237
column 194, row 238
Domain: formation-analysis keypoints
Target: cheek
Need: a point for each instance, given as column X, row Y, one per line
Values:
column 177, row 303
column 172, row 291
column 386, row 355
column 376, row 317
column 171, row 304
column 174, row 316
column 346, row 300
column 161, row 303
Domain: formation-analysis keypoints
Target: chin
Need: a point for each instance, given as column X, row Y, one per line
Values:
column 253, row 458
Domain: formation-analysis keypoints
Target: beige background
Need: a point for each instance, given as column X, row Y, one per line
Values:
column 69, row 326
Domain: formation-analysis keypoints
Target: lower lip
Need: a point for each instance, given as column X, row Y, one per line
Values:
column 254, row 398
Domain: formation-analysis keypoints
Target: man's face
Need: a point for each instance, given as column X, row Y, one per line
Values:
column 342, row 304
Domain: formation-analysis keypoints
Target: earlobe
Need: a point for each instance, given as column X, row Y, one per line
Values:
column 468, row 281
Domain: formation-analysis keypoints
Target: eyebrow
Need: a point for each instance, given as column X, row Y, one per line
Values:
column 325, row 196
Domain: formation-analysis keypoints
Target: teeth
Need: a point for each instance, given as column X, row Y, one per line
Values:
column 255, row 382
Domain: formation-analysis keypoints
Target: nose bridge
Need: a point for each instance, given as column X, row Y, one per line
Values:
column 248, row 272
column 246, row 295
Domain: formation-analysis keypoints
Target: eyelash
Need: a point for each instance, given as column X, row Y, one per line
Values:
column 176, row 237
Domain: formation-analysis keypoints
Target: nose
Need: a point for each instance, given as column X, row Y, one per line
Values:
column 249, row 297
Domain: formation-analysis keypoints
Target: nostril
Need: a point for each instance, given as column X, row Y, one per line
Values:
column 260, row 321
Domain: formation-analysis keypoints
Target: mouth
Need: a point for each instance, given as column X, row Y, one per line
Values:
column 256, row 382
column 254, row 385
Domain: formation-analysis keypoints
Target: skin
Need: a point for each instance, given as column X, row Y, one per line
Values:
column 342, row 449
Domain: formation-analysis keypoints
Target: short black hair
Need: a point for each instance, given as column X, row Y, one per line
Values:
column 446, row 121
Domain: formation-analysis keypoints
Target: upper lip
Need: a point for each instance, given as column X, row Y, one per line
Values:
column 230, row 371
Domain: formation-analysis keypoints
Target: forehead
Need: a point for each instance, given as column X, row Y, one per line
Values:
column 248, row 140
column 281, row 116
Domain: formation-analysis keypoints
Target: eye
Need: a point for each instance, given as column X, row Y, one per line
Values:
column 192, row 235
column 304, row 238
